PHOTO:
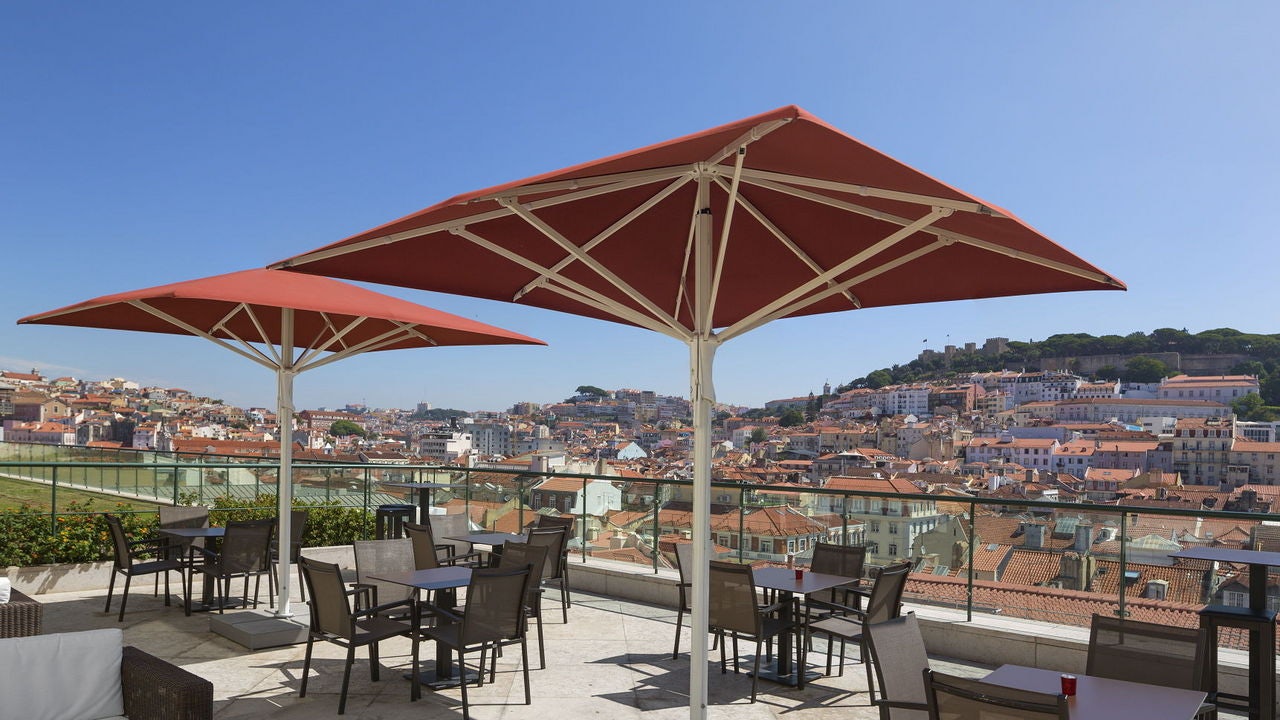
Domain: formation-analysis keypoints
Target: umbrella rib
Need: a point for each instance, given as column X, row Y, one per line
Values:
column 846, row 285
column 868, row 191
column 785, row 239
column 599, row 269
column 747, row 138
column 379, row 342
column 729, row 206
column 251, row 353
column 610, row 310
column 628, row 180
column 625, row 314
column 684, row 268
column 608, row 232
column 753, row 320
column 315, row 347
column 276, row 355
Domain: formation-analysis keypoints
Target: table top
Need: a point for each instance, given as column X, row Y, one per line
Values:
column 1231, row 555
column 195, row 532
column 784, row 579
column 439, row 578
column 487, row 538
column 1104, row 699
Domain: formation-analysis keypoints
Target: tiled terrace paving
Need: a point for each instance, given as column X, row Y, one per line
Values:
column 612, row 660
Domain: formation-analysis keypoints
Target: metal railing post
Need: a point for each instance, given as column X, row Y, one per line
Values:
column 973, row 509
column 582, row 535
column 1124, row 543
column 53, row 503
column 657, row 504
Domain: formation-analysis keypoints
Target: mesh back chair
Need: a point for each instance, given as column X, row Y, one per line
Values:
column 127, row 556
column 897, row 653
column 734, row 609
column 842, row 560
column 884, row 602
column 684, row 565
column 375, row 557
column 426, row 551
column 568, row 522
column 333, row 620
column 181, row 516
column 297, row 528
column 518, row 555
column 952, row 697
column 1149, row 653
column 245, row 552
column 454, row 552
column 556, row 569
column 494, row 617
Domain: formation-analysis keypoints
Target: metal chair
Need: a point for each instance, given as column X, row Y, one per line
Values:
column 426, row 551
column 374, row 557
column 127, row 555
column 183, row 516
column 884, row 602
column 1150, row 653
column 494, row 617
column 518, row 555
column 734, row 609
column 556, row 569
column 245, row 552
column 842, row 560
column 333, row 620
column 953, row 698
column 897, row 653
column 456, row 552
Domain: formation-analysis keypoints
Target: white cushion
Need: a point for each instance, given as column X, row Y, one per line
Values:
column 63, row 676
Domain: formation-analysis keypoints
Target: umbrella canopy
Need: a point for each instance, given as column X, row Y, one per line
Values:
column 708, row 236
column 287, row 322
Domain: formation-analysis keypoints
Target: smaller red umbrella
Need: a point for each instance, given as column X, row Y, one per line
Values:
column 285, row 321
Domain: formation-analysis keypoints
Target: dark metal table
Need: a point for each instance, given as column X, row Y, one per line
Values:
column 1102, row 698
column 208, row 602
column 425, row 492
column 784, row 581
column 449, row 578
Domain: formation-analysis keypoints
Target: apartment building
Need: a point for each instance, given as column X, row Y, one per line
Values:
column 1202, row 450
column 1225, row 389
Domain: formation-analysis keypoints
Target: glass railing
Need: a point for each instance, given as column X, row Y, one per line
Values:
column 1033, row 559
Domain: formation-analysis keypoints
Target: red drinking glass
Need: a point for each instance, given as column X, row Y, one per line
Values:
column 1068, row 685
column 799, row 573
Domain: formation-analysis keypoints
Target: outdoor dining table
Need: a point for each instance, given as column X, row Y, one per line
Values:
column 785, row 582
column 1102, row 698
column 449, row 577
column 425, row 492
column 208, row 602
column 493, row 540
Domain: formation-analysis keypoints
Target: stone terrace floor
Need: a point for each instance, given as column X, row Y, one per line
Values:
column 613, row 660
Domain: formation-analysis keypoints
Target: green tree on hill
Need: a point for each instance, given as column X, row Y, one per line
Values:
column 343, row 428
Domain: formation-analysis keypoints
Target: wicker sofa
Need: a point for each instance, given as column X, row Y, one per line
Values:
column 89, row 676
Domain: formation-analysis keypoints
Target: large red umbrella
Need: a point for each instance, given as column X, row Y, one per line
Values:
column 708, row 236
column 284, row 321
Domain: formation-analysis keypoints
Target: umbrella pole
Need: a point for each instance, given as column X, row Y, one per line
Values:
column 284, row 481
column 701, row 354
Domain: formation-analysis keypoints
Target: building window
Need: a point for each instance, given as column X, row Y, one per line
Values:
column 1235, row 599
column 893, row 528
column 893, row 550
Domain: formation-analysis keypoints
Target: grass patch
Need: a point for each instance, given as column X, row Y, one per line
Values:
column 16, row 493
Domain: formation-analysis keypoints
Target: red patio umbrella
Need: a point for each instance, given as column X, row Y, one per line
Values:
column 708, row 236
column 287, row 322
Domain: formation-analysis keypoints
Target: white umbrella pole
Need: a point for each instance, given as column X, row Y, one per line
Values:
column 284, row 481
column 701, row 352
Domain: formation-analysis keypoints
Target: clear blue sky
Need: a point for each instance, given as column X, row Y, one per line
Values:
column 149, row 142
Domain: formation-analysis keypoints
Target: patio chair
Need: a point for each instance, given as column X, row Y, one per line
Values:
column 556, row 569
column 333, row 620
column 884, row 602
column 734, row 609
column 684, row 564
column 494, row 617
column 952, row 697
column 426, row 551
column 842, row 560
column 518, row 555
column 897, row 653
column 1150, row 653
column 374, row 557
column 183, row 516
column 568, row 522
column 245, row 552
column 128, row 561
column 456, row 552
column 297, row 527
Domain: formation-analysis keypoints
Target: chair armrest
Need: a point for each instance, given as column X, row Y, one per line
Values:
column 903, row 704
column 368, row 612
column 155, row 689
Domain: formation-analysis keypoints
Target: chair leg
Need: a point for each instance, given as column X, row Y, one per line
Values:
column 111, row 586
column 346, row 679
column 542, row 645
column 302, row 586
column 415, row 689
column 735, row 653
column 564, row 597
column 124, row 599
column 679, row 621
column 306, row 666
column 755, row 671
column 866, row 662
column 524, row 664
column 830, row 643
column 802, row 656
column 374, row 666
column 462, row 674
column 167, row 602
column 723, row 667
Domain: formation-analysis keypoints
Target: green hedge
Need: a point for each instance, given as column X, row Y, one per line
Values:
column 81, row 534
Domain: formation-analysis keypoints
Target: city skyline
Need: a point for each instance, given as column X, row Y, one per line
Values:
column 151, row 144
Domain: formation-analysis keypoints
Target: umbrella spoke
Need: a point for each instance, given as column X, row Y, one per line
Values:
column 868, row 191
column 247, row 351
